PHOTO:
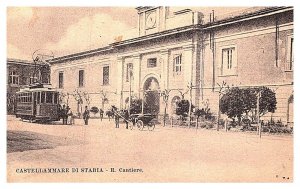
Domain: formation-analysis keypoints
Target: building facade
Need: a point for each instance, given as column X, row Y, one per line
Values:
column 21, row 74
column 188, row 54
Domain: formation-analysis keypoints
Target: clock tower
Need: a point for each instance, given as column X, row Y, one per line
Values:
column 152, row 19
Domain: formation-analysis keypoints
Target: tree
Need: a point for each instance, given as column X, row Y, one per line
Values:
column 104, row 99
column 204, row 113
column 183, row 108
column 78, row 97
column 267, row 101
column 238, row 102
column 86, row 96
column 136, row 106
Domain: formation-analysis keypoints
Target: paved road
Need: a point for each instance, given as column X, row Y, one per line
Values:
column 163, row 155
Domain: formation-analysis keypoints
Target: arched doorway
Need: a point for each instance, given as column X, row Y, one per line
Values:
column 174, row 103
column 151, row 99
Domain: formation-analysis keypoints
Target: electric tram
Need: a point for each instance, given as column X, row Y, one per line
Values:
column 38, row 102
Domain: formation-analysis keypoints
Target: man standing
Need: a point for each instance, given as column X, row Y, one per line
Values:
column 70, row 116
column 64, row 114
column 86, row 115
column 66, row 111
column 117, row 117
column 126, row 116
column 101, row 114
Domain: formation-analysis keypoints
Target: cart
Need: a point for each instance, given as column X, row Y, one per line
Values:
column 143, row 120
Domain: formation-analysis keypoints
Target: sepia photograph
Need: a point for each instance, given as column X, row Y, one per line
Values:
column 150, row 94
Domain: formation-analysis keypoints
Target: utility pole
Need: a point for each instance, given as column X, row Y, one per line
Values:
column 221, row 87
column 130, row 74
column 190, row 87
column 165, row 95
column 258, row 116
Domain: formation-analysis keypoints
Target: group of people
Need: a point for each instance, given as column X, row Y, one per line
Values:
column 68, row 117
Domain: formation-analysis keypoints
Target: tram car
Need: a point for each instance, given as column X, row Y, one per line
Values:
column 38, row 102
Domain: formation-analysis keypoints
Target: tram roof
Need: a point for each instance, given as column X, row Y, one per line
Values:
column 38, row 87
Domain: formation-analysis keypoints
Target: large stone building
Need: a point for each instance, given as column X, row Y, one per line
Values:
column 174, row 50
column 22, row 73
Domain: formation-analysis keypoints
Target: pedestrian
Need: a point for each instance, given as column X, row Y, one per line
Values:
column 86, row 115
column 66, row 110
column 101, row 114
column 116, row 115
column 70, row 117
column 63, row 114
column 126, row 116
column 60, row 110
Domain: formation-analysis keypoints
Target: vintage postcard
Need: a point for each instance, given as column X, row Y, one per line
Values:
column 150, row 94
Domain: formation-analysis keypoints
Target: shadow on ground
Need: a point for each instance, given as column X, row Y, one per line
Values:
column 19, row 141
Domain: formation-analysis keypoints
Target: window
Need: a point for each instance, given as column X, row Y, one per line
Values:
column 49, row 97
column 13, row 77
column 106, row 75
column 290, row 54
column 35, row 78
column 55, row 98
column 177, row 63
column 81, row 78
column 32, row 80
column 61, row 80
column 29, row 97
column 43, row 97
column 129, row 71
column 38, row 98
column 228, row 66
column 151, row 63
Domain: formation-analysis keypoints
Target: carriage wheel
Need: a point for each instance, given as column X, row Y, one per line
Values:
column 151, row 126
column 140, row 125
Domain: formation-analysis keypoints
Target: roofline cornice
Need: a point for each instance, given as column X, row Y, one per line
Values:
column 257, row 14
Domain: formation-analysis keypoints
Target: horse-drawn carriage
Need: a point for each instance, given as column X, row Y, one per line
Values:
column 143, row 120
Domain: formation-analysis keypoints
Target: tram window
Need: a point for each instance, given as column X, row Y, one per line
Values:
column 55, row 98
column 49, row 97
column 38, row 98
column 43, row 97
column 30, row 97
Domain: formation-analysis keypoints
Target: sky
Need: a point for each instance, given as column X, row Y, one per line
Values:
column 67, row 30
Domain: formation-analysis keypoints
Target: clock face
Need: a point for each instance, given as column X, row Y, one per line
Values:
column 151, row 20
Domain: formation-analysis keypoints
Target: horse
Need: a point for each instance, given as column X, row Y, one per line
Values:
column 109, row 114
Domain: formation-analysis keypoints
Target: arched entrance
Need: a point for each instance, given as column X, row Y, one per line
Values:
column 174, row 103
column 151, row 99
